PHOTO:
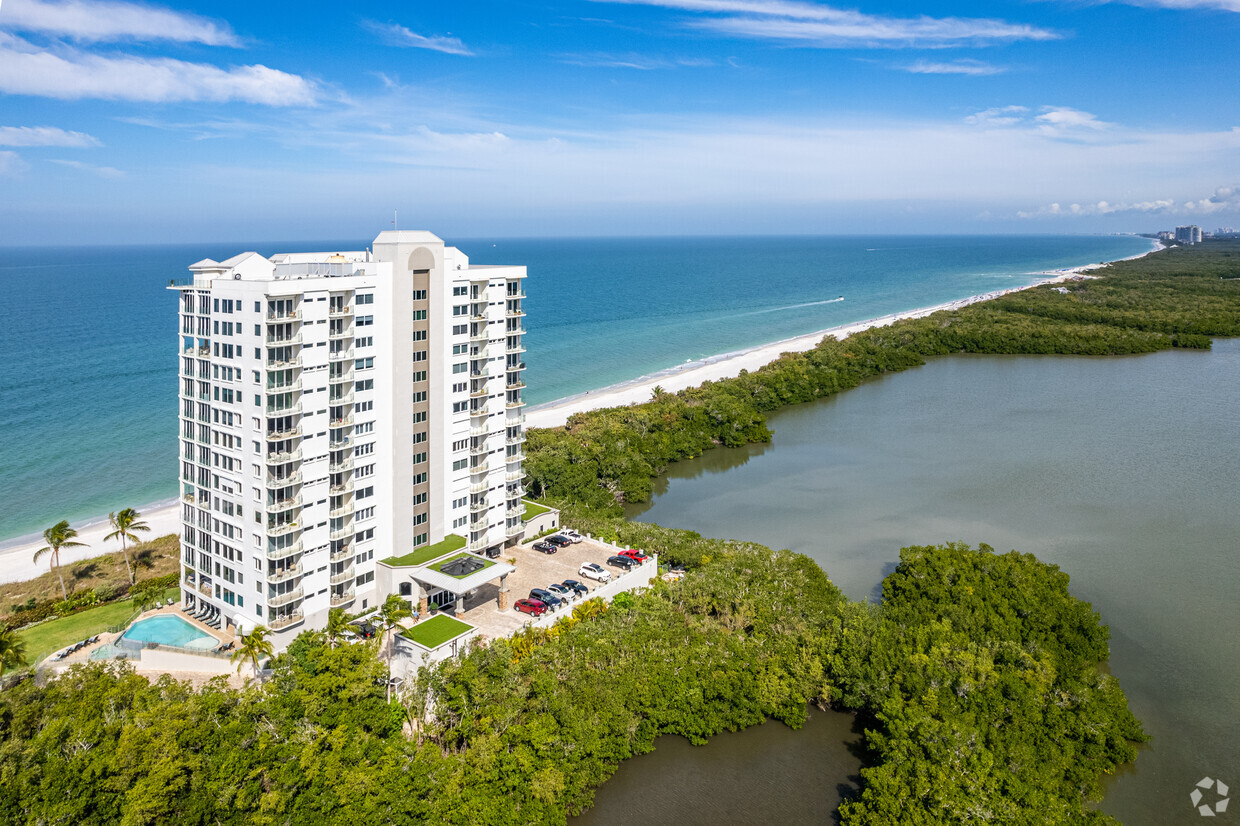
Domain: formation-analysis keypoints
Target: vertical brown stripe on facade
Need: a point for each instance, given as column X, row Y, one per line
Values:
column 421, row 281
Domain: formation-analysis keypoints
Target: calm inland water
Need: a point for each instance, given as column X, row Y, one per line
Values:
column 1123, row 471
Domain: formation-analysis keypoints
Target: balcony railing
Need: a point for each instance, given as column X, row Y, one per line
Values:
column 342, row 599
column 285, row 552
column 517, row 313
column 293, row 387
column 341, row 554
column 513, row 458
column 285, row 598
column 342, row 533
column 514, row 404
column 341, row 488
column 515, row 440
column 342, row 577
column 343, row 398
column 338, row 355
column 514, row 530
column 281, row 435
column 282, row 458
column 340, row 465
column 295, row 361
column 481, row 467
column 343, row 421
column 515, row 348
column 284, row 574
column 340, row 512
column 478, row 335
column 479, row 450
column 477, row 545
column 479, row 431
column 274, row 341
column 479, row 487
column 286, row 621
column 293, row 478
column 284, row 315
column 514, row 476
column 334, row 311
column 480, row 393
column 284, row 504
column 282, row 529
column 480, row 410
column 345, row 331
column 513, row 513
column 479, row 507
column 517, row 385
column 342, row 376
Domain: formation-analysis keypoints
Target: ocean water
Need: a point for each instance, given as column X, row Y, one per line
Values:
column 88, row 341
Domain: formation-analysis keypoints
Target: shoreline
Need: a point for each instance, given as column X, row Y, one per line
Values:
column 729, row 365
column 163, row 516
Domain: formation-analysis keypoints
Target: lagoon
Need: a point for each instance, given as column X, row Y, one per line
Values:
column 1123, row 471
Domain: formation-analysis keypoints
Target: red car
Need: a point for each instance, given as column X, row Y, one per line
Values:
column 635, row 555
column 530, row 606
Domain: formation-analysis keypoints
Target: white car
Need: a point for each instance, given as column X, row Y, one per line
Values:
column 572, row 535
column 566, row 594
column 592, row 571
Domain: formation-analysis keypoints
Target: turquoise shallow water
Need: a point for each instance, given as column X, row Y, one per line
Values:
column 88, row 392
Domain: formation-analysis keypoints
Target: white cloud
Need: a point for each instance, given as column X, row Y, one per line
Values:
column 1057, row 119
column 1052, row 121
column 812, row 24
column 632, row 61
column 998, row 116
column 954, row 67
column 73, row 75
column 43, row 136
column 395, row 34
column 101, row 171
column 96, row 21
column 1223, row 5
column 11, row 164
column 1224, row 199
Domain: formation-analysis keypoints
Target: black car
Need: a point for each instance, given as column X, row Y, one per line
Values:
column 561, row 541
column 545, row 547
column 547, row 598
column 574, row 585
column 622, row 562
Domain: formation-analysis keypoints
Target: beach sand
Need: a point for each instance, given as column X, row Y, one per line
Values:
column 164, row 518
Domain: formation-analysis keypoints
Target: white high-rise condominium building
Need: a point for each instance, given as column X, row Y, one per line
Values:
column 339, row 408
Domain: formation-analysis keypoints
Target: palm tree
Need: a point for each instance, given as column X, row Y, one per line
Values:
column 337, row 624
column 58, row 536
column 393, row 610
column 12, row 650
column 126, row 524
column 254, row 647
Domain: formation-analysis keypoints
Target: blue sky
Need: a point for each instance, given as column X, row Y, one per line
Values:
column 133, row 123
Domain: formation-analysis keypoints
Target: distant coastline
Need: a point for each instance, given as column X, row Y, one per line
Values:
column 164, row 515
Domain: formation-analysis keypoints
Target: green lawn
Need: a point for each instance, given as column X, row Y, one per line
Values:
column 49, row 637
column 532, row 510
column 435, row 631
column 421, row 556
column 438, row 566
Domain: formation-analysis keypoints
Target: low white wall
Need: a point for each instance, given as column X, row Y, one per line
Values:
column 543, row 522
column 156, row 660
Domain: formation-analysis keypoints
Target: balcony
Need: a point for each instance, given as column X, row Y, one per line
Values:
column 479, row 334
column 284, row 315
column 515, row 404
column 517, row 385
column 275, row 554
column 281, row 435
column 338, row 600
column 480, row 410
column 519, row 365
column 514, row 530
column 340, row 512
column 341, row 488
column 340, row 465
column 341, row 554
column 481, row 392
column 286, row 621
column 284, row 504
column 342, row 332
column 477, row 545
column 274, row 341
column 205, row 589
column 342, row 533
column 519, row 490
column 338, row 355
column 514, row 476
column 343, row 398
column 517, row 313
column 293, row 478
column 478, row 318
column 284, row 574
column 284, row 457
column 479, row 468
column 510, row 296
column 336, row 311
column 478, row 353
column 342, row 577
column 282, row 529
column 479, row 431
column 514, row 513
column 479, row 450
column 513, row 421
column 479, row 487
column 285, row 598
column 293, row 387
column 291, row 410
column 513, row 458
column 479, row 507
column 343, row 421
column 515, row 348
column 342, row 376
column 515, row 440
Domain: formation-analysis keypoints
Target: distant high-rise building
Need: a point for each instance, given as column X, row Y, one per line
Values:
column 1190, row 234
column 1166, row 235
column 337, row 409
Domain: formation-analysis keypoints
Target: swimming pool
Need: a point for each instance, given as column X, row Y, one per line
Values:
column 169, row 629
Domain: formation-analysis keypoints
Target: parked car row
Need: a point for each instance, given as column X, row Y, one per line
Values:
column 559, row 540
column 559, row 594
column 555, row 596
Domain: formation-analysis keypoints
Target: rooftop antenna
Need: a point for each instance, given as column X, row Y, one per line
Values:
column 395, row 227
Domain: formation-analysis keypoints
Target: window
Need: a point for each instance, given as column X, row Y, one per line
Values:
column 420, row 416
column 419, row 355
column 364, row 450
column 419, row 335
column 419, row 315
column 460, row 444
column 418, row 438
column 460, row 523
column 420, row 539
column 365, row 298
column 369, row 427
column 460, row 388
column 419, row 397
column 460, row 464
column 366, row 513
column 419, row 478
column 419, row 519
column 365, row 384
column 365, row 341
column 418, row 458
column 364, row 320
column 460, row 310
column 460, row 349
column 418, row 499
column 366, row 492
column 419, row 375
column 463, row 367
column 362, row 407
column 419, row 295
column 364, row 470
column 362, row 536
column 460, row 503
column 460, row 329
column 457, row 291
column 460, row 407
column 364, row 364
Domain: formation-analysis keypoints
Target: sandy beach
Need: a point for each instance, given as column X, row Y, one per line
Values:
column 164, row 517
column 730, row 365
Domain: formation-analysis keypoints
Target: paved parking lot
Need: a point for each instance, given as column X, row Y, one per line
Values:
column 534, row 570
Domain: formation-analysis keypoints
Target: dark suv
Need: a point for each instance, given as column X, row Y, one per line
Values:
column 547, row 598
column 622, row 562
